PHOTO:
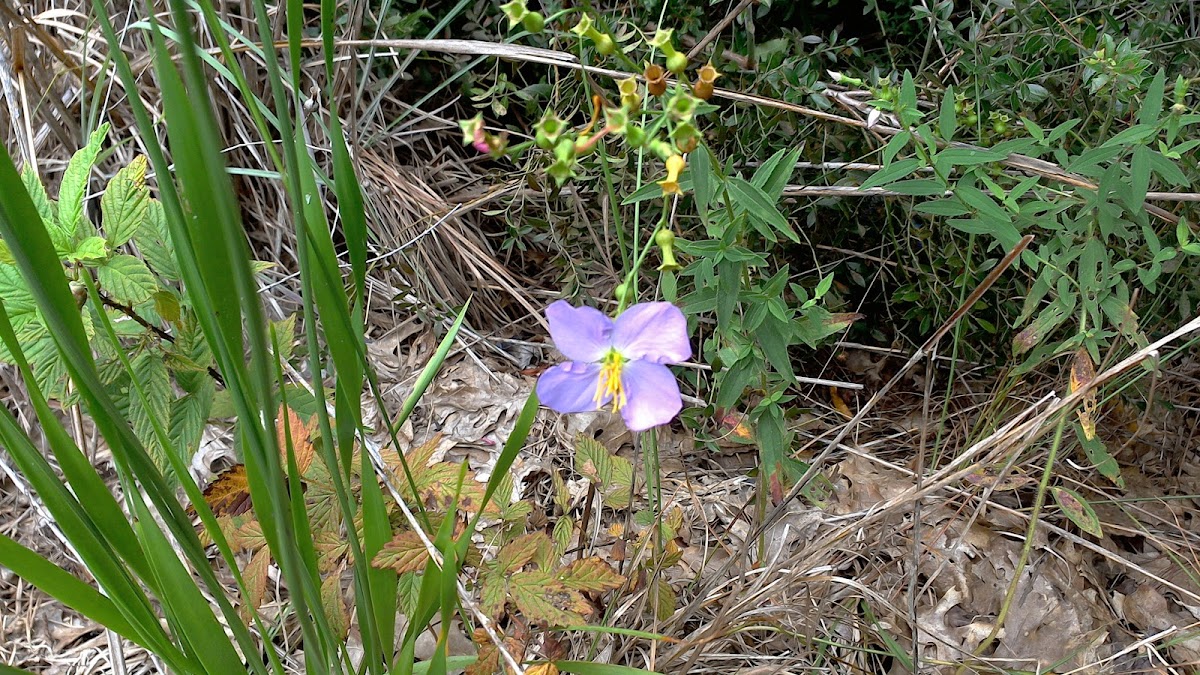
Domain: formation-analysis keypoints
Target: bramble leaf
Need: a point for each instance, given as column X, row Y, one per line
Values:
column 71, row 223
column 127, row 279
column 125, row 203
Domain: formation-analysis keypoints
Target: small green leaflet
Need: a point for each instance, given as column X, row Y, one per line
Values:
column 125, row 202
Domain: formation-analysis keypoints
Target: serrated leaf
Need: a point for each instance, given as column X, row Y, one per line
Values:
column 564, row 528
column 125, row 202
column 544, row 601
column 46, row 209
column 404, row 553
column 519, row 552
column 127, row 279
column 229, row 493
column 662, row 599
column 493, row 594
column 592, row 460
column 153, row 244
column 255, row 578
column 301, row 435
column 284, row 338
column 591, row 575
column 91, row 248
column 167, row 306
column 74, row 185
column 150, row 372
column 1078, row 510
column 189, row 416
column 336, row 611
column 18, row 299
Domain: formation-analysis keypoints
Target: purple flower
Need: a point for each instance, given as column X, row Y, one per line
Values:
column 622, row 362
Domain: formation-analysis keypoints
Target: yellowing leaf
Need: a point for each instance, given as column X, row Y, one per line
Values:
column 839, row 404
column 545, row 601
column 1078, row 510
column 542, row 669
column 336, row 612
column 590, row 574
column 517, row 553
column 662, row 599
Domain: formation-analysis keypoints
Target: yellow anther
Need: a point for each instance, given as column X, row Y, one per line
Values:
column 610, row 381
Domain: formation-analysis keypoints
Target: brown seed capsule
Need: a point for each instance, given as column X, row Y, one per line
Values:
column 703, row 88
column 656, row 79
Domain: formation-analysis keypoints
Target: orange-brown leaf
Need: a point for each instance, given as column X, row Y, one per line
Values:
column 544, row 600
column 229, row 493
column 255, row 578
column 336, row 612
column 517, row 553
column 404, row 553
column 301, row 438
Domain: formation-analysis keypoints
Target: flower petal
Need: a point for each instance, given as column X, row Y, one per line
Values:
column 580, row 333
column 570, row 387
column 652, row 395
column 654, row 332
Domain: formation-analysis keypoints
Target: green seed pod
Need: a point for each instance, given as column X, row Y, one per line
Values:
column 534, row 22
column 677, row 63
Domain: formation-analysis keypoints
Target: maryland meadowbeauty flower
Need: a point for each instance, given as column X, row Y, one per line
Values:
column 622, row 362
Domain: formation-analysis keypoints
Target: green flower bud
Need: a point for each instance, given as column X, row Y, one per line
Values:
column 617, row 118
column 605, row 45
column 677, row 63
column 624, row 293
column 635, row 136
column 661, row 148
column 534, row 22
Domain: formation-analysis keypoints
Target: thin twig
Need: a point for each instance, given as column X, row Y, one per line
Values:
column 719, row 28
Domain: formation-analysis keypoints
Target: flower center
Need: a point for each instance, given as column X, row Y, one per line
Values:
column 610, row 380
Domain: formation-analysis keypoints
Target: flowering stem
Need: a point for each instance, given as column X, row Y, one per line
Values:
column 631, row 275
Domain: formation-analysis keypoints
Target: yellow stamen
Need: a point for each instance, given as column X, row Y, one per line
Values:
column 610, row 381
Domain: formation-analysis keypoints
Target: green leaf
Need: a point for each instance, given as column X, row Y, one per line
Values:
column 127, row 279
column 1139, row 176
column 891, row 173
column 775, row 173
column 1152, row 104
column 1100, row 457
column 74, row 187
column 15, row 292
column 125, row 202
column 755, row 202
column 151, row 373
column 774, row 336
column 703, row 180
column 1078, row 510
column 942, row 207
column 189, row 415
column 46, row 209
column 947, row 118
column 894, row 146
column 920, row 187
column 152, row 242
column 92, row 248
